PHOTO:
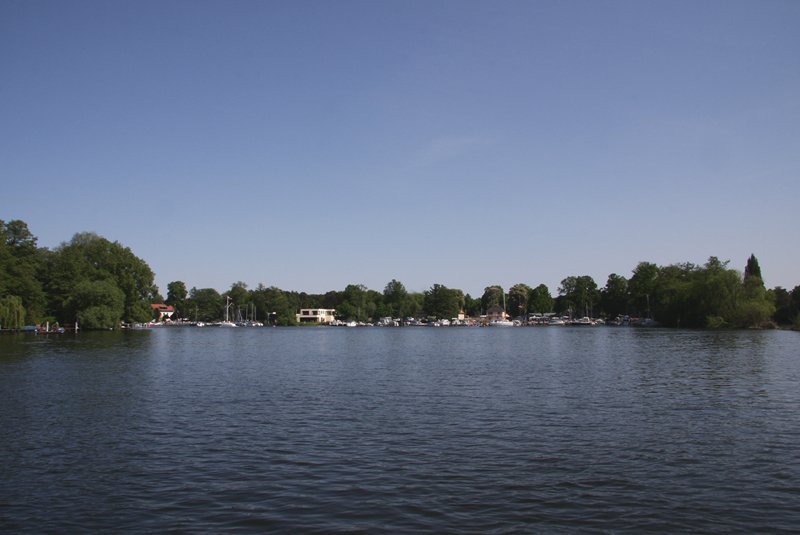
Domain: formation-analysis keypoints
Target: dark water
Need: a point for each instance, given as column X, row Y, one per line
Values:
column 401, row 430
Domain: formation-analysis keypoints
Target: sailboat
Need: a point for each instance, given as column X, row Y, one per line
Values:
column 227, row 322
column 503, row 322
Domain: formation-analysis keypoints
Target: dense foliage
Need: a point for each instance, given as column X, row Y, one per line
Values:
column 89, row 280
column 102, row 283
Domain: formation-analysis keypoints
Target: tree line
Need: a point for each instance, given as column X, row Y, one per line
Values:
column 102, row 284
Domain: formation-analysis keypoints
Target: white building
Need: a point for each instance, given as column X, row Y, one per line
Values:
column 315, row 315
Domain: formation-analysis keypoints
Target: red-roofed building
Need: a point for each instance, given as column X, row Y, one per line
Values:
column 164, row 311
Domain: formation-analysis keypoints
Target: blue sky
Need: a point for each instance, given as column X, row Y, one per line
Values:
column 314, row 144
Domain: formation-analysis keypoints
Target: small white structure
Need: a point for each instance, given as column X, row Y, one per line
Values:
column 316, row 315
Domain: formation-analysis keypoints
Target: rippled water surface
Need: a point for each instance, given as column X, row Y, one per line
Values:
column 400, row 430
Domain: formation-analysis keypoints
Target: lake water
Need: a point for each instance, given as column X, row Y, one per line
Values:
column 401, row 430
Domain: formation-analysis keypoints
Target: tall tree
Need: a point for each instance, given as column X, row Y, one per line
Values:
column 518, row 295
column 176, row 297
column 16, row 234
column 752, row 269
column 443, row 302
column 354, row 306
column 642, row 288
column 395, row 298
column 472, row 306
column 540, row 301
column 21, row 264
column 492, row 297
column 754, row 308
column 715, row 291
column 614, row 296
column 580, row 294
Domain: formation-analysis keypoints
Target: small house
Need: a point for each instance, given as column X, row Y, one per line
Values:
column 164, row 312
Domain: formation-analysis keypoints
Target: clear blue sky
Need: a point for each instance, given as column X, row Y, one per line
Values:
column 314, row 144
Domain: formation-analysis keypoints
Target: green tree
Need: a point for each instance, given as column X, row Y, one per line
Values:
column 642, row 288
column 715, row 292
column 754, row 307
column 240, row 298
column 5, row 261
column 176, row 297
column 332, row 299
column 278, row 307
column 492, row 297
column 787, row 305
column 12, row 312
column 540, row 300
column 98, row 304
column 89, row 257
column 472, row 306
column 207, row 304
column 518, row 295
column 417, row 304
column 306, row 300
column 396, row 300
column 752, row 269
column 614, row 296
column 442, row 302
column 374, row 304
column 580, row 294
column 674, row 301
column 796, row 300
column 21, row 266
column 753, row 313
column 358, row 303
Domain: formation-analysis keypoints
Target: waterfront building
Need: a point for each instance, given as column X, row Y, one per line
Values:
column 316, row 315
column 165, row 312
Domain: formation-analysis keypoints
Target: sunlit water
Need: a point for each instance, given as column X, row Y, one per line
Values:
column 401, row 430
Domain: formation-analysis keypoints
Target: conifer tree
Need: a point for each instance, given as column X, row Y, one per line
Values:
column 752, row 269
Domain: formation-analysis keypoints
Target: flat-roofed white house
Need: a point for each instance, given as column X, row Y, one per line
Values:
column 316, row 315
